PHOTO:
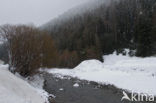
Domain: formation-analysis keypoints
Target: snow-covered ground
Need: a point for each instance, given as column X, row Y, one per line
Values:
column 129, row 73
column 16, row 90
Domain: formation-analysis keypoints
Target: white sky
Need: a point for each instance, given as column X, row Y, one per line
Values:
column 37, row 12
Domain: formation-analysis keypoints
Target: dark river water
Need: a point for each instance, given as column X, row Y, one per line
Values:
column 86, row 92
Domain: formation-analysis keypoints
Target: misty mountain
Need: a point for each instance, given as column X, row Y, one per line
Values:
column 79, row 10
column 101, row 27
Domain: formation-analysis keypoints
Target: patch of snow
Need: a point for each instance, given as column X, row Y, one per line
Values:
column 140, row 13
column 130, row 73
column 61, row 89
column 76, row 85
column 1, row 62
column 37, row 82
column 15, row 90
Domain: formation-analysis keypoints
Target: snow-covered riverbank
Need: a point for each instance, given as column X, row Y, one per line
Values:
column 15, row 90
column 129, row 73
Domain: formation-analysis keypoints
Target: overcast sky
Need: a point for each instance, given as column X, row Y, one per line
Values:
column 37, row 12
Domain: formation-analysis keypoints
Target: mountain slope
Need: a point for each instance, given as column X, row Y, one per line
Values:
column 105, row 28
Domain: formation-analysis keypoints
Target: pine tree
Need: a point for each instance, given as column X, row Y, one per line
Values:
column 144, row 32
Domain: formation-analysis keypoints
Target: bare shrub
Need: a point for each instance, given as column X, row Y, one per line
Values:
column 28, row 48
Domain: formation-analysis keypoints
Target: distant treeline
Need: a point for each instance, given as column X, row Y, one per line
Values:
column 88, row 35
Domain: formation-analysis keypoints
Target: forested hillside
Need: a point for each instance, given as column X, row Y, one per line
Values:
column 109, row 26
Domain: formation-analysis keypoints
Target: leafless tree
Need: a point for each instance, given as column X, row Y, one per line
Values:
column 28, row 48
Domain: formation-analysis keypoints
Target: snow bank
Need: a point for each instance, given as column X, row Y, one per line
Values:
column 16, row 90
column 129, row 73
column 76, row 85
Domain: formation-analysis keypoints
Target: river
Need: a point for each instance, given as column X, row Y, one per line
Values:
column 86, row 92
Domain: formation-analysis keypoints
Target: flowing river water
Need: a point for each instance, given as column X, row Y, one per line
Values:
column 83, row 92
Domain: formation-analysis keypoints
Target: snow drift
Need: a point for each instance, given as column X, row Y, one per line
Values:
column 16, row 90
column 129, row 73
